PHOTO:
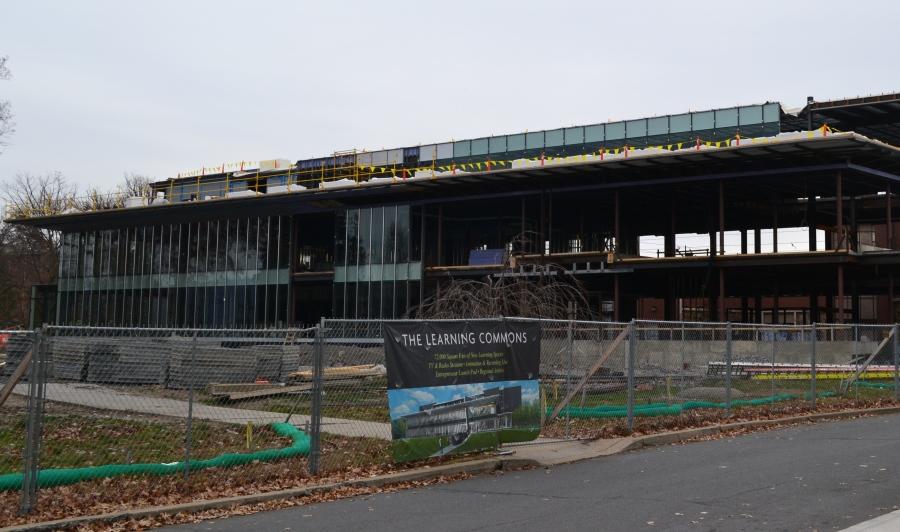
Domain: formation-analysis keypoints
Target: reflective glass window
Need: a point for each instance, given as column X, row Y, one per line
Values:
column 595, row 133
column 555, row 137
column 515, row 142
column 497, row 144
column 534, row 140
column 480, row 146
column 574, row 135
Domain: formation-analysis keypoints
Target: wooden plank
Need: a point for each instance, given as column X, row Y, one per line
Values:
column 846, row 384
column 15, row 377
column 597, row 365
column 238, row 396
column 341, row 372
column 228, row 389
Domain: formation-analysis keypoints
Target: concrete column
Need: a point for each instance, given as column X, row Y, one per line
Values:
column 839, row 318
column 550, row 220
column 813, row 307
column 776, row 317
column 616, row 298
column 669, row 305
column 891, row 318
column 440, row 237
column 669, row 245
column 889, row 223
column 829, row 306
column 616, row 227
column 757, row 306
column 721, row 218
column 839, row 213
column 522, row 230
column 757, row 241
column 811, row 219
column 743, row 241
column 542, row 235
column 774, row 227
column 721, row 294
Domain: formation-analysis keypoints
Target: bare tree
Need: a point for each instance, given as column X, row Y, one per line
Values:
column 96, row 200
column 28, row 195
column 6, row 118
column 29, row 255
column 539, row 291
column 135, row 185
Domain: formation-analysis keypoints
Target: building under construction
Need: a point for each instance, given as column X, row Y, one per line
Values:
column 684, row 216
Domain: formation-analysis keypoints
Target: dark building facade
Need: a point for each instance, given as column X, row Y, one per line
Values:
column 372, row 234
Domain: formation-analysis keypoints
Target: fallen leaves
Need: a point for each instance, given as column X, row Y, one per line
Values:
column 346, row 460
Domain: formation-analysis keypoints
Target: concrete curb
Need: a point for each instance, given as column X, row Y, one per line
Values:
column 474, row 467
column 668, row 438
column 484, row 465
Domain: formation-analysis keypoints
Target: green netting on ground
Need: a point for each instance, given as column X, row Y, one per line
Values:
column 663, row 409
column 58, row 477
column 876, row 385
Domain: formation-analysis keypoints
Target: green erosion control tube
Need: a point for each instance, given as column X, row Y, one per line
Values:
column 662, row 409
column 58, row 477
column 876, row 385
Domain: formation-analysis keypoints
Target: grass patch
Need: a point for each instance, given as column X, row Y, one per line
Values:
column 83, row 441
column 363, row 401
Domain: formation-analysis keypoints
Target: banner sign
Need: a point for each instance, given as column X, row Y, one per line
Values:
column 461, row 386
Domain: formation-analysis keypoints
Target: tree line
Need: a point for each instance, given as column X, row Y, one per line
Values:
column 29, row 255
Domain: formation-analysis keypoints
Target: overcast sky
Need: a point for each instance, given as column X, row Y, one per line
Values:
column 105, row 87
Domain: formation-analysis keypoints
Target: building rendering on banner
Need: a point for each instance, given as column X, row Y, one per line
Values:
column 490, row 410
column 620, row 206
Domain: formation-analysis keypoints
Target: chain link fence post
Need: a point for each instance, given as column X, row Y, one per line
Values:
column 728, row 347
column 570, row 348
column 772, row 374
column 812, row 365
column 856, row 362
column 632, row 347
column 188, row 431
column 34, row 424
column 315, row 422
column 896, row 350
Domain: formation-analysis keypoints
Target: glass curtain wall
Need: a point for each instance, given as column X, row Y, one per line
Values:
column 212, row 273
column 377, row 263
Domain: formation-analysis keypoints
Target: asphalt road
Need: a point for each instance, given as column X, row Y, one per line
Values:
column 826, row 476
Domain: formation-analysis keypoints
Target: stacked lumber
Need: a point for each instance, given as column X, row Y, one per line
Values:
column 341, row 372
column 238, row 392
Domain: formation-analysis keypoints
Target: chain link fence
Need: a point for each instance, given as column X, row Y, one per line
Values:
column 15, row 347
column 104, row 402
